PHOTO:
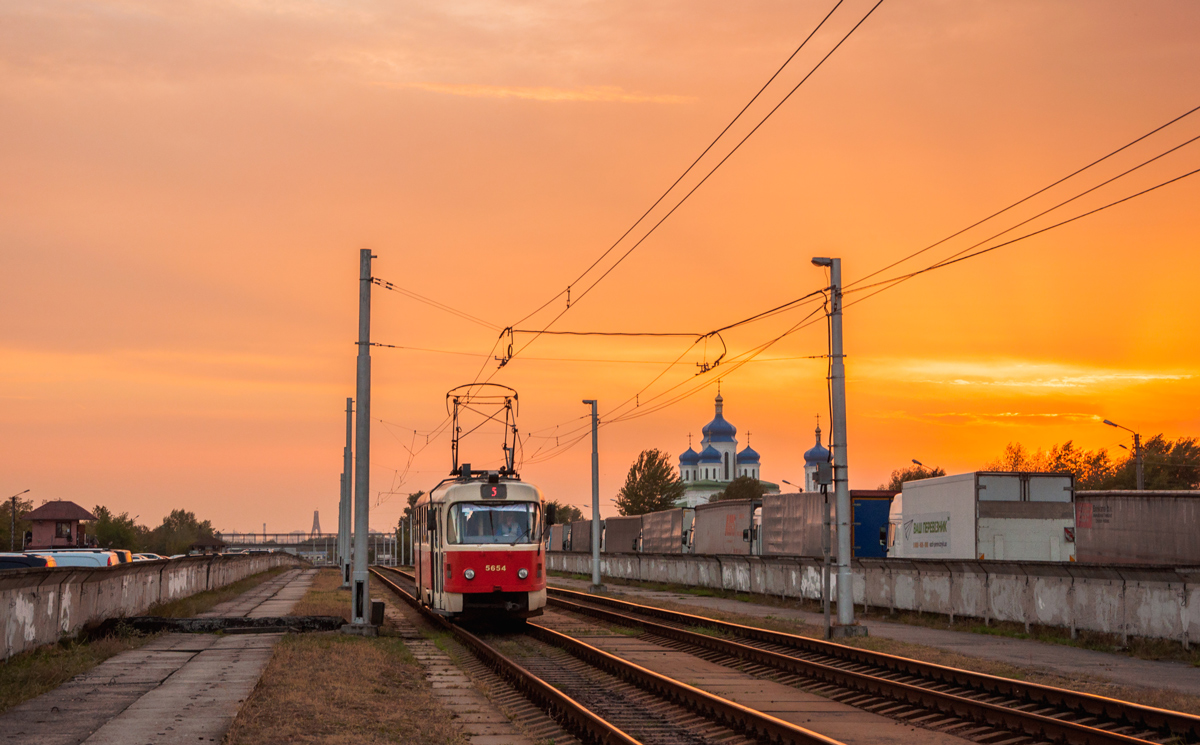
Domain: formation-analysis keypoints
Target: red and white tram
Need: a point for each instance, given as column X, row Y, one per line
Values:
column 481, row 547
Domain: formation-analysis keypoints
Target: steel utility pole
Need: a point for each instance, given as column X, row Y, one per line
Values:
column 347, row 493
column 12, row 537
column 595, row 497
column 841, row 482
column 362, row 455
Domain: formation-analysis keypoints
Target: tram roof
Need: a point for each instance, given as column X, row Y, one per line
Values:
column 473, row 491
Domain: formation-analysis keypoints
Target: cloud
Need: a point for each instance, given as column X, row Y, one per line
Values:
column 1001, row 418
column 1013, row 374
column 600, row 93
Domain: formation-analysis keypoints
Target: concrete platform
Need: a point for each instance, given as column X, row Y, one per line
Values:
column 1028, row 653
column 178, row 688
column 275, row 597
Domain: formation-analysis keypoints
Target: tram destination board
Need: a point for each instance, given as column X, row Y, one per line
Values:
column 494, row 491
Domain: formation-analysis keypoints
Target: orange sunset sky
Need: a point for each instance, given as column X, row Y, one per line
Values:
column 184, row 188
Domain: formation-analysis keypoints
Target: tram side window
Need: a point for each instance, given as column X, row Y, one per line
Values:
column 493, row 523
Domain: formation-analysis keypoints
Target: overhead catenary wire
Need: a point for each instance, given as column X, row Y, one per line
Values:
column 434, row 303
column 1021, row 201
column 687, row 170
column 957, row 258
column 713, row 170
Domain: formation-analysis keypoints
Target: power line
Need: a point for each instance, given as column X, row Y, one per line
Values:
column 434, row 303
column 712, row 171
column 957, row 258
column 1027, row 198
column 686, row 170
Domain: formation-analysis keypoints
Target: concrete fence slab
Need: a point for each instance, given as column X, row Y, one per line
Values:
column 42, row 606
column 1148, row 601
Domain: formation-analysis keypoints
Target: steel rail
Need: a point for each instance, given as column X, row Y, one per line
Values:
column 753, row 722
column 1163, row 721
column 730, row 713
column 560, row 707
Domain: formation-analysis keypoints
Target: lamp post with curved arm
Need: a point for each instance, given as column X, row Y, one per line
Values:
column 1137, row 453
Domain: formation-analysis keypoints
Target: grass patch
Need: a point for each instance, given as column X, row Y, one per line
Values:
column 325, row 597
column 194, row 605
column 335, row 689
column 30, row 674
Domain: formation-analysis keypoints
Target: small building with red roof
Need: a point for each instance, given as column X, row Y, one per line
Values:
column 56, row 525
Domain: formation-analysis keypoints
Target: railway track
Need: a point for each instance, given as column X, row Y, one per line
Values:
column 927, row 695
column 602, row 698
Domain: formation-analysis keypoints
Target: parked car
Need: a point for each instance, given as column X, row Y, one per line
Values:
column 80, row 558
column 24, row 561
column 124, row 556
column 147, row 557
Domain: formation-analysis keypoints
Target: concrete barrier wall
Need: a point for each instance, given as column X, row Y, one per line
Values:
column 41, row 606
column 1156, row 602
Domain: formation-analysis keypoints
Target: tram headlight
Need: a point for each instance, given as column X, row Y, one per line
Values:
column 522, row 573
column 469, row 573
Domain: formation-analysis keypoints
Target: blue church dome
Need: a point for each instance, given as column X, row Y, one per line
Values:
column 719, row 430
column 690, row 458
column 710, row 455
column 817, row 453
column 747, row 456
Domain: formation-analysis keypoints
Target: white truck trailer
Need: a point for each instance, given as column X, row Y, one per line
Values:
column 985, row 515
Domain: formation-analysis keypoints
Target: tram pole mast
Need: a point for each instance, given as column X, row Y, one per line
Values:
column 347, row 495
column 841, row 479
column 362, row 455
column 595, row 497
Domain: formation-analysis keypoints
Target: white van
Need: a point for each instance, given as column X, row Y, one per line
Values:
column 80, row 558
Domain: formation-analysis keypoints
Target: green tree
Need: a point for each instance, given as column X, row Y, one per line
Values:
column 1166, row 464
column 564, row 513
column 179, row 530
column 743, row 487
column 651, row 485
column 117, row 531
column 912, row 473
column 6, row 537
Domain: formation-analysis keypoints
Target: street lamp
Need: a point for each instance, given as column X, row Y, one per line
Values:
column 919, row 463
column 801, row 488
column 1137, row 453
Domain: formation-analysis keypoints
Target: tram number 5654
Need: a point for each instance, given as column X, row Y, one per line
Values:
column 494, row 567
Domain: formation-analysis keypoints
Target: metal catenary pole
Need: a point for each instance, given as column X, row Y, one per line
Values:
column 348, row 493
column 362, row 454
column 841, row 483
column 1137, row 454
column 595, row 496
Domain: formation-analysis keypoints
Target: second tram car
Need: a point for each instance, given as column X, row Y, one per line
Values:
column 479, row 546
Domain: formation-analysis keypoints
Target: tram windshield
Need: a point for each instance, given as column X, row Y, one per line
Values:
column 493, row 523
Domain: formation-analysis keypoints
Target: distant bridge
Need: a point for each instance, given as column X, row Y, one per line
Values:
column 320, row 548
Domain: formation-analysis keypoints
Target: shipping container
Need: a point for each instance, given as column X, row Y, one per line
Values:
column 791, row 523
column 668, row 531
column 724, row 527
column 1001, row 516
column 580, row 540
column 1138, row 527
column 622, row 535
column 556, row 536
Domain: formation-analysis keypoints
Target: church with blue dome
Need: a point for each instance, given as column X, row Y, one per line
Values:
column 718, row 462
